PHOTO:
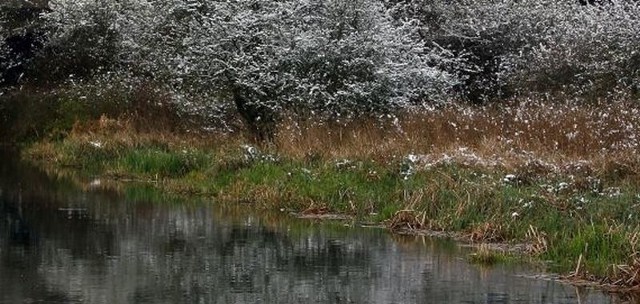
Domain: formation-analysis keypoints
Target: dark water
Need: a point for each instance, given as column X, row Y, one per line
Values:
column 70, row 242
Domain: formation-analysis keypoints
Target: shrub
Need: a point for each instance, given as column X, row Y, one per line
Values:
column 333, row 58
column 82, row 39
column 524, row 47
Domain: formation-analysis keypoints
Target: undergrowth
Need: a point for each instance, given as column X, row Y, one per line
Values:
column 572, row 203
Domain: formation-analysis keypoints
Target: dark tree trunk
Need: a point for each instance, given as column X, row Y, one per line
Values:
column 260, row 119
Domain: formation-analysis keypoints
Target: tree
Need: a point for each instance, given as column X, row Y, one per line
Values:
column 330, row 58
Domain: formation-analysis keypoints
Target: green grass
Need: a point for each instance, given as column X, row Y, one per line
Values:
column 486, row 256
column 158, row 162
column 569, row 219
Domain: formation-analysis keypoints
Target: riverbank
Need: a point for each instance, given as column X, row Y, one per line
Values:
column 561, row 179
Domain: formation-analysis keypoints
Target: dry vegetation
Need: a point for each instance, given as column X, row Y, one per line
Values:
column 526, row 137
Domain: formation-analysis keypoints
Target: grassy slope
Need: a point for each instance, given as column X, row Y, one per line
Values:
column 564, row 180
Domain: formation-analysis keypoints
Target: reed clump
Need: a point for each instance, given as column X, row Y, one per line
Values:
column 485, row 255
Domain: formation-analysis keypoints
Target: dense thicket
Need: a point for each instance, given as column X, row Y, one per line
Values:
column 548, row 47
column 330, row 59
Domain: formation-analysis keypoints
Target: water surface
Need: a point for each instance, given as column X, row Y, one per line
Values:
column 67, row 242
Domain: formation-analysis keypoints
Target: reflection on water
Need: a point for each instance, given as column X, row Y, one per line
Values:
column 59, row 243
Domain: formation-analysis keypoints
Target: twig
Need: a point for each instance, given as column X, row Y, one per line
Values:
column 576, row 273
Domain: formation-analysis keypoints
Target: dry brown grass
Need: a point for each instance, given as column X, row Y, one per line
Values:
column 407, row 220
column 126, row 133
column 527, row 136
column 626, row 277
column 487, row 232
column 537, row 241
column 123, row 133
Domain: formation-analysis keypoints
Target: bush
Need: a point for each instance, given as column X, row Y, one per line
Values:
column 547, row 46
column 332, row 60
column 322, row 57
column 82, row 40
column 592, row 53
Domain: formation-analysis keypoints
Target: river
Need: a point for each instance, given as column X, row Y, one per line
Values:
column 64, row 241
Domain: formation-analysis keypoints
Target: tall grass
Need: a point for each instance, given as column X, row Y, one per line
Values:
column 517, row 136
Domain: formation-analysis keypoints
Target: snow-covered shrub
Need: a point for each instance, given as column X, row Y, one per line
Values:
column 345, row 58
column 354, row 58
column 593, row 51
column 489, row 36
column 480, row 34
column 534, row 46
column 330, row 58
column 82, row 39
column 342, row 59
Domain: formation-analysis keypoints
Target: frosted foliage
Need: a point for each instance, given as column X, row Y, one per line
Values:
column 552, row 45
column 351, row 52
column 335, row 58
column 598, row 46
column 327, row 56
